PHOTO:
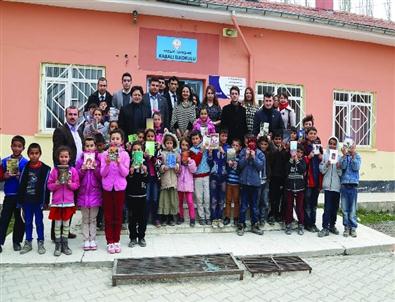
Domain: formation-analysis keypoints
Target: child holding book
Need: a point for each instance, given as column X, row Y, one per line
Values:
column 330, row 167
column 263, row 196
column 97, row 124
column 153, row 177
column 201, row 178
column 295, row 186
column 233, row 183
column 63, row 181
column 252, row 161
column 136, row 197
column 350, row 164
column 170, row 165
column 90, row 193
column 185, row 183
column 114, row 167
column 313, row 157
column 217, row 161
column 12, row 167
column 34, row 197
column 204, row 122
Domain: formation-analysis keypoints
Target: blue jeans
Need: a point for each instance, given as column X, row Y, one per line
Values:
column 263, row 201
column 349, row 195
column 217, row 196
column 152, row 200
column 310, row 206
column 33, row 210
column 331, row 205
column 249, row 199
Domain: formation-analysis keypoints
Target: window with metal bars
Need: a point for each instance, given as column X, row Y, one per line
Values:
column 353, row 116
column 295, row 96
column 64, row 85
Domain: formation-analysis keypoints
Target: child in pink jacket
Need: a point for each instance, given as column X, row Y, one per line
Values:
column 62, row 182
column 204, row 121
column 90, row 193
column 185, row 185
column 114, row 167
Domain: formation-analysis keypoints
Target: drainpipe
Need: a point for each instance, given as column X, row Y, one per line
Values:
column 250, row 80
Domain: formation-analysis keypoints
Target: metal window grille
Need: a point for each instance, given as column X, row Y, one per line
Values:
column 295, row 96
column 63, row 86
column 354, row 116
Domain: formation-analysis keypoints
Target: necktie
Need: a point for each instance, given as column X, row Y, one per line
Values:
column 174, row 99
column 101, row 98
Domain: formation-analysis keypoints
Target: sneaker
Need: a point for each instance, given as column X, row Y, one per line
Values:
column 157, row 223
column 87, row 245
column 124, row 226
column 214, row 225
column 323, row 233
column 192, row 223
column 300, row 229
column 256, row 230
column 40, row 247
column 353, row 233
column 171, row 222
column 142, row 242
column 202, row 222
column 110, row 248
column 17, row 247
column 271, row 221
column 288, row 229
column 208, row 221
column 334, row 230
column 314, row 229
column 346, row 232
column 262, row 223
column 27, row 247
column 226, row 221
column 220, row 223
column 132, row 243
column 117, row 247
column 163, row 223
column 240, row 230
column 180, row 220
column 93, row 245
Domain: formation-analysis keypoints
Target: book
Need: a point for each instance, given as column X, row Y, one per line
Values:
column 150, row 148
column 214, row 141
column 203, row 130
column 63, row 174
column 89, row 159
column 264, row 129
column 206, row 141
column 316, row 149
column 12, row 166
column 171, row 160
column 113, row 153
column 138, row 157
column 231, row 154
column 300, row 134
column 348, row 142
column 113, row 114
column 149, row 123
column 132, row 138
column 293, row 147
column 333, row 153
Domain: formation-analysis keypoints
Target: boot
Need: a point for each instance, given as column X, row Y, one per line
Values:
column 27, row 247
column 65, row 246
column 256, row 230
column 58, row 247
column 41, row 249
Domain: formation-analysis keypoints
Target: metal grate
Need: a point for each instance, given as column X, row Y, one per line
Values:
column 175, row 267
column 267, row 265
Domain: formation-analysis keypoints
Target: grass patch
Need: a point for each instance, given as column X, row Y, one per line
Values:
column 369, row 217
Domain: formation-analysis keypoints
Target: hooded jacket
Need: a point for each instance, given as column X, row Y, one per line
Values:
column 169, row 177
column 62, row 194
column 331, row 180
column 209, row 124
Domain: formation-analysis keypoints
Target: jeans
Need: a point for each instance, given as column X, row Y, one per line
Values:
column 331, row 205
column 349, row 195
column 263, row 201
column 9, row 209
column 152, row 200
column 249, row 199
column 310, row 206
column 33, row 210
column 217, row 195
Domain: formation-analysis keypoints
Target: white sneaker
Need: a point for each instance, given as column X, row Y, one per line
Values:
column 117, row 247
column 87, row 245
column 214, row 224
column 93, row 245
column 110, row 248
column 220, row 223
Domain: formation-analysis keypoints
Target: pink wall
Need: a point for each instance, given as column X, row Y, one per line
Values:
column 35, row 34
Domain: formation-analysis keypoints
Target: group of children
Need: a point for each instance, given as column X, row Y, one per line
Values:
column 265, row 175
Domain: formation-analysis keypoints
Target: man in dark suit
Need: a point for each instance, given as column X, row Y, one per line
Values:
column 171, row 94
column 156, row 102
column 268, row 114
column 67, row 135
column 101, row 94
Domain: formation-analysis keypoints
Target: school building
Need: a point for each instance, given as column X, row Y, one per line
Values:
column 338, row 66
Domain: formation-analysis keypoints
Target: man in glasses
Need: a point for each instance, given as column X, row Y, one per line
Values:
column 122, row 97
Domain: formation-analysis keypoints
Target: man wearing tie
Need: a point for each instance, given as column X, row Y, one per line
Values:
column 171, row 94
column 156, row 102
column 101, row 94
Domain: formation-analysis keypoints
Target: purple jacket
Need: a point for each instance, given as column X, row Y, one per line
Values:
column 90, row 192
column 209, row 124
column 185, row 177
column 63, row 193
column 114, row 174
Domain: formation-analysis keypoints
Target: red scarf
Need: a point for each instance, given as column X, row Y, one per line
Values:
column 283, row 106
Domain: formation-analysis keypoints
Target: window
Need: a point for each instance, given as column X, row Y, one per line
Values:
column 295, row 96
column 63, row 86
column 353, row 116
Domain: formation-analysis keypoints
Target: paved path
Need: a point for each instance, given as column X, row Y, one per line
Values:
column 338, row 278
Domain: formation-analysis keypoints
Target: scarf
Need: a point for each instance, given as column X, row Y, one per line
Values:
column 283, row 105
